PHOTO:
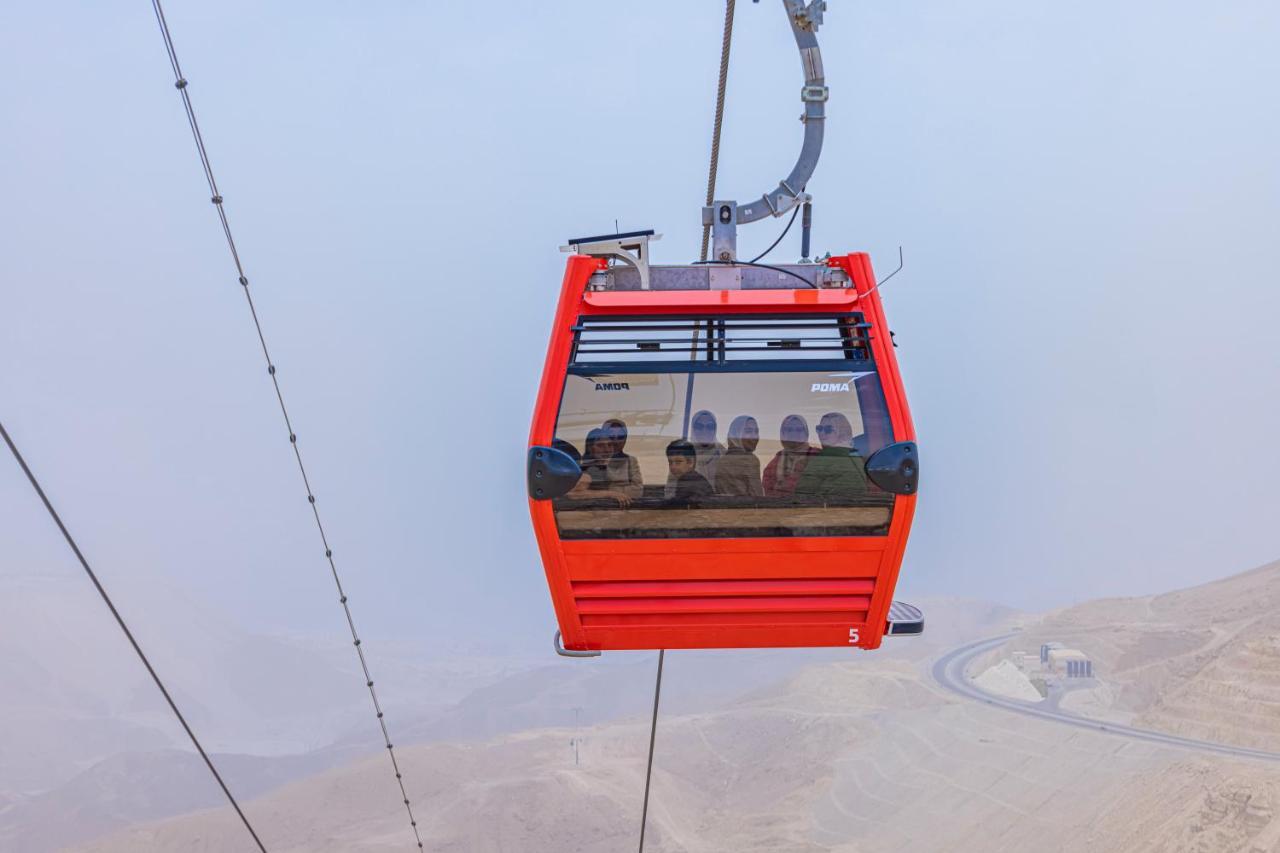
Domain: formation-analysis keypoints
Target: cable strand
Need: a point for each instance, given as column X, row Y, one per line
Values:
column 180, row 82
column 653, row 734
column 725, row 43
column 84, row 563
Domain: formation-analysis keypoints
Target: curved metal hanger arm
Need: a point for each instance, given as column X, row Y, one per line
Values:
column 805, row 20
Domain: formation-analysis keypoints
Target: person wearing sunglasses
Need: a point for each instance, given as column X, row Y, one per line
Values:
column 787, row 465
column 836, row 470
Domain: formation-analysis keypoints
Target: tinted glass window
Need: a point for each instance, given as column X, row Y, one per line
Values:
column 724, row 453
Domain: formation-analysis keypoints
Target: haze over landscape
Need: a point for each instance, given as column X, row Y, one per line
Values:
column 1087, row 213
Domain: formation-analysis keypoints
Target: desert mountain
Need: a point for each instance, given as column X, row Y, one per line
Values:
column 856, row 757
column 852, row 754
column 1201, row 662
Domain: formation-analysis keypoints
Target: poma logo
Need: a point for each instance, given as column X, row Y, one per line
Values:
column 843, row 383
column 613, row 386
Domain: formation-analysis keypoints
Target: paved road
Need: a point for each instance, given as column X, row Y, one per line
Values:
column 949, row 671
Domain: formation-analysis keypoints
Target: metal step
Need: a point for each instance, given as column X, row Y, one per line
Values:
column 904, row 620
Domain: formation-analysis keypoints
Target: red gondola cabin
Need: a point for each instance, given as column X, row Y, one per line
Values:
column 722, row 456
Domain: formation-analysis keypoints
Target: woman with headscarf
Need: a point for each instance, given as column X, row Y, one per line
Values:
column 738, row 471
column 622, row 469
column 836, row 470
column 599, row 448
column 788, row 464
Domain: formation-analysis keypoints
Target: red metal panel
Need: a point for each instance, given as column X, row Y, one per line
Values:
column 718, row 604
column 728, row 565
column 814, row 620
column 797, row 586
column 740, row 636
column 718, row 301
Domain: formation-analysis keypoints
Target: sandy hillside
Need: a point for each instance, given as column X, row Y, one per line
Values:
column 1201, row 662
column 863, row 755
column 96, row 780
column 860, row 756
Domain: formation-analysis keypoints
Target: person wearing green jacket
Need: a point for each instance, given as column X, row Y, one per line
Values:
column 835, row 471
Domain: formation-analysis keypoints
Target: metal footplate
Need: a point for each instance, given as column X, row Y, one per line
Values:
column 904, row 620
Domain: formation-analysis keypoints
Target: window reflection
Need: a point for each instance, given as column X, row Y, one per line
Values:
column 738, row 472
column 657, row 463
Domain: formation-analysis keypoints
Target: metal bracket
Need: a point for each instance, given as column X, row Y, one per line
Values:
column 570, row 653
column 630, row 248
column 818, row 94
column 835, row 278
column 807, row 18
column 722, row 216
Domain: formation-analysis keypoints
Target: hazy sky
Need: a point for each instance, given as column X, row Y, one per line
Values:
column 1088, row 197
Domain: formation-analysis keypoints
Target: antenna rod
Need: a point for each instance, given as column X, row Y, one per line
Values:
column 806, row 223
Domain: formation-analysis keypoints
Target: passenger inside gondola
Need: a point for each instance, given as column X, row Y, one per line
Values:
column 738, row 471
column 836, row 470
column 707, row 451
column 702, row 432
column 783, row 471
column 623, row 469
column 689, row 485
column 592, row 485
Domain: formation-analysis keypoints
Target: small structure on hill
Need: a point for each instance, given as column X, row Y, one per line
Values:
column 1072, row 663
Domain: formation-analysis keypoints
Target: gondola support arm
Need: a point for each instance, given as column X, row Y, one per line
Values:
column 724, row 216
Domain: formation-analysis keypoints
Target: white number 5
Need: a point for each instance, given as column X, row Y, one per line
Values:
column 853, row 636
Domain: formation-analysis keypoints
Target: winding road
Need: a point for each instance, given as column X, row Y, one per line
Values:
column 949, row 672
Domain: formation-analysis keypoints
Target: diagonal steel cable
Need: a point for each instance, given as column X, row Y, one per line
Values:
column 715, row 130
column 653, row 734
column 75, row 549
column 180, row 82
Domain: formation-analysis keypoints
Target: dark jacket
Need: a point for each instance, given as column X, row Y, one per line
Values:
column 835, row 472
column 689, row 489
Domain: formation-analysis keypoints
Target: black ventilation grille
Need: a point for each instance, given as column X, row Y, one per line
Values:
column 718, row 340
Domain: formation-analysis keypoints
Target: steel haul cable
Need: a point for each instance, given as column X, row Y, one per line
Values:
column 719, row 120
column 653, row 734
column 75, row 549
column 180, row 82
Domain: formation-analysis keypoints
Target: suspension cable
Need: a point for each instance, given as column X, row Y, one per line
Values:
column 715, row 130
column 75, row 549
column 774, row 244
column 180, row 82
column 653, row 733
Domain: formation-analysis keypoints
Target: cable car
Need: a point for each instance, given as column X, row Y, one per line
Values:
column 721, row 453
column 722, row 458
